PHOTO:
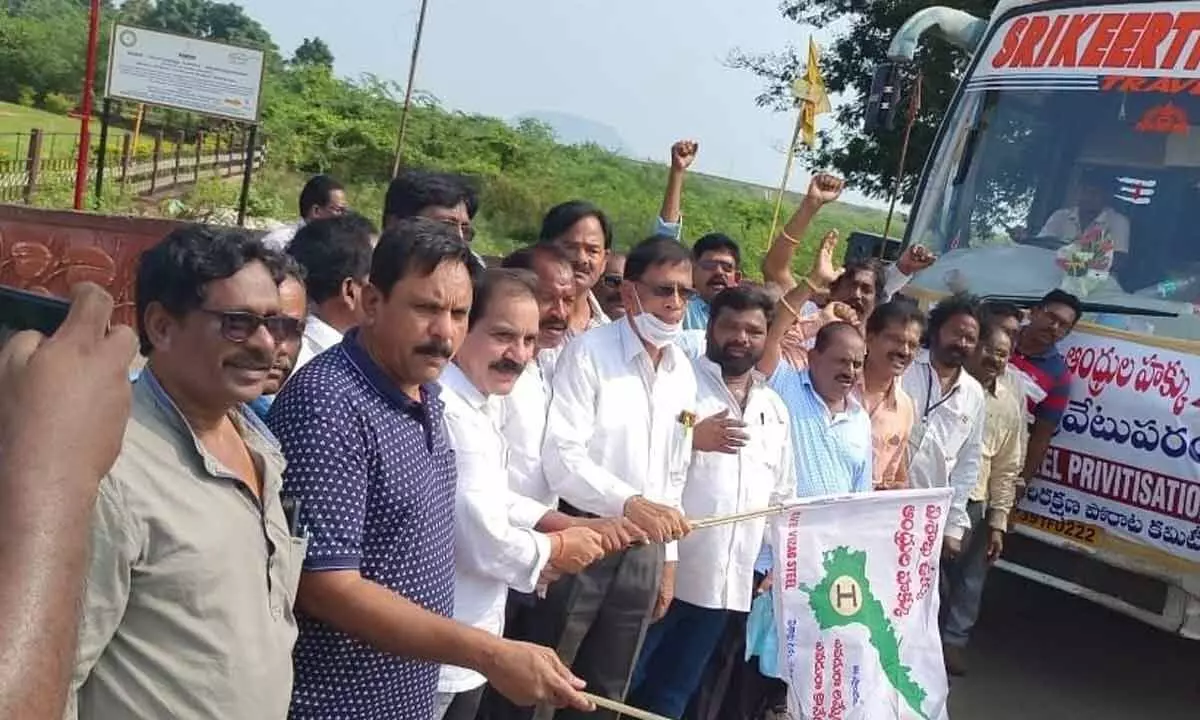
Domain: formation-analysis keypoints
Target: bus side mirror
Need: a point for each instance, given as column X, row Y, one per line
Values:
column 883, row 100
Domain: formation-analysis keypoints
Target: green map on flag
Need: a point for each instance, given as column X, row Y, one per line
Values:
column 856, row 606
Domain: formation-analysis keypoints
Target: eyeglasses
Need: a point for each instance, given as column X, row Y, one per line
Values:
column 465, row 230
column 714, row 265
column 612, row 280
column 238, row 326
column 670, row 291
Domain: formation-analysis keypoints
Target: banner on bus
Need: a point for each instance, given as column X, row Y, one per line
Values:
column 856, row 606
column 1126, row 459
column 1128, row 47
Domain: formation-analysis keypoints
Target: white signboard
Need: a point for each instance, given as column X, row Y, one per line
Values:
column 1125, row 464
column 185, row 73
column 856, row 606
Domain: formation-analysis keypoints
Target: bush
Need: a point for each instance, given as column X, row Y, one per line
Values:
column 58, row 104
column 26, row 97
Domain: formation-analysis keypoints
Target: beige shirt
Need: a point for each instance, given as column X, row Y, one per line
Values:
column 188, row 604
column 1001, row 459
column 891, row 426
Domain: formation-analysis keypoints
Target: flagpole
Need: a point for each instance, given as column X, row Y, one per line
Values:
column 787, row 172
column 408, row 90
column 914, row 106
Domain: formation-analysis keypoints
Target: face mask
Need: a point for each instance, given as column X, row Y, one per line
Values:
column 653, row 330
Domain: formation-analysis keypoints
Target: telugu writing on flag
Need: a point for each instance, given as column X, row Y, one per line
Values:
column 856, row 604
column 1135, row 191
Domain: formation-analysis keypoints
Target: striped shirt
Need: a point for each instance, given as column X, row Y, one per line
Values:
column 833, row 451
column 1047, row 381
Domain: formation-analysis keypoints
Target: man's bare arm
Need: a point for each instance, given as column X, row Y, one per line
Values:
column 64, row 404
column 683, row 154
column 777, row 263
column 526, row 674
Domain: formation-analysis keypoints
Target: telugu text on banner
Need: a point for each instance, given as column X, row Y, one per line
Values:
column 856, row 595
column 1125, row 463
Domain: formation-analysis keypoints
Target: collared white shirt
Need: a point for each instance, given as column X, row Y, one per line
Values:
column 616, row 426
column 1064, row 225
column 548, row 358
column 495, row 545
column 716, row 565
column 319, row 336
column 947, row 436
column 523, row 424
column 279, row 238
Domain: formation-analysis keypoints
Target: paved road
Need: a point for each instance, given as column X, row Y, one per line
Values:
column 1040, row 654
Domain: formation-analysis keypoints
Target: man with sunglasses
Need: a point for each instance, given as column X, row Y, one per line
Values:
column 618, row 443
column 718, row 262
column 321, row 197
column 293, row 305
column 608, row 290
column 188, row 602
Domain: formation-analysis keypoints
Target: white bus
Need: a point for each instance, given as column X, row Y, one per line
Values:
column 1069, row 159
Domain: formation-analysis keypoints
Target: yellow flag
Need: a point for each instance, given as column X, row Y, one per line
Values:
column 809, row 90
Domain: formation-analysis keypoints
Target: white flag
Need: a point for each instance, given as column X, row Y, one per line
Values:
column 1135, row 191
column 856, row 606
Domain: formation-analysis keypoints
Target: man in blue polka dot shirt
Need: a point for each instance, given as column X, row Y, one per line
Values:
column 372, row 474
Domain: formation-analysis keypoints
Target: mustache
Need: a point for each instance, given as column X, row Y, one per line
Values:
column 582, row 267
column 504, row 365
column 251, row 360
column 554, row 323
column 435, row 348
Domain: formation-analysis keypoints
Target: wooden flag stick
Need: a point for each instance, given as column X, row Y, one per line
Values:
column 787, row 171
column 622, row 708
column 739, row 517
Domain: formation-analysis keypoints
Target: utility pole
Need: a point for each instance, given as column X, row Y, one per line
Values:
column 81, row 168
column 408, row 90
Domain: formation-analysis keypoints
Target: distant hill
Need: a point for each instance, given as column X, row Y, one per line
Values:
column 577, row 130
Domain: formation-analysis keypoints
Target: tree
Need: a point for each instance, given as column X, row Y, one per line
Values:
column 313, row 51
column 867, row 161
column 205, row 19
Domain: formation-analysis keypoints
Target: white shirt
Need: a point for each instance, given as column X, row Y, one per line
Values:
column 616, row 424
column 947, row 436
column 495, row 545
column 716, row 565
column 1064, row 224
column 319, row 336
column 523, row 424
column 279, row 238
column 548, row 358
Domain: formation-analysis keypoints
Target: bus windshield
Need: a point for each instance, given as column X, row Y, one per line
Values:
column 1049, row 174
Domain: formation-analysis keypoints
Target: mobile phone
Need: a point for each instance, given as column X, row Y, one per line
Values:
column 22, row 310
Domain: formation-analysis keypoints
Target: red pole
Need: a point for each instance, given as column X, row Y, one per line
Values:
column 81, row 170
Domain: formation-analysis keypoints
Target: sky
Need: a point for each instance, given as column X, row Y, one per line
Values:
column 653, row 70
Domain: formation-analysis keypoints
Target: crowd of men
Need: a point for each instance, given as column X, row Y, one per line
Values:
column 366, row 477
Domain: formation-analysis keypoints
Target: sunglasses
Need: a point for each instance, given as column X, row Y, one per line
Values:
column 714, row 265
column 238, row 326
column 612, row 280
column 670, row 291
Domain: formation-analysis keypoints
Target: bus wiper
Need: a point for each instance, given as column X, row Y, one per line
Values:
column 1027, row 301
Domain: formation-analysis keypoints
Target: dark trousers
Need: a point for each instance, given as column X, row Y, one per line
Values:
column 732, row 688
column 529, row 619
column 464, row 706
column 963, row 579
column 606, row 612
column 674, row 657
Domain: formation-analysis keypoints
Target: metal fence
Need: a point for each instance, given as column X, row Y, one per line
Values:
column 36, row 160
